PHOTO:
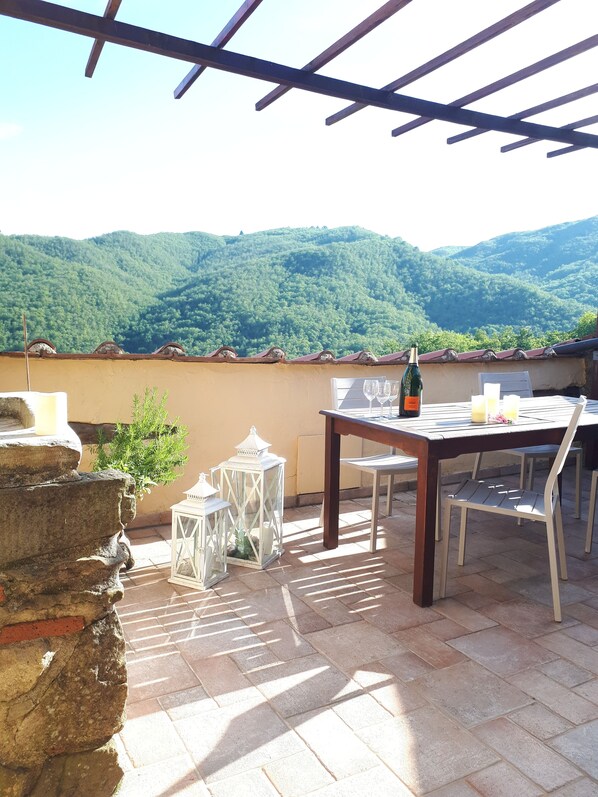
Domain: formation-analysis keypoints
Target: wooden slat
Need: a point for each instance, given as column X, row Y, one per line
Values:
column 453, row 53
column 98, row 45
column 74, row 21
column 524, row 142
column 549, row 105
column 339, row 46
column 228, row 31
column 509, row 80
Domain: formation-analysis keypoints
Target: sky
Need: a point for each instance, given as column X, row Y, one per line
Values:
column 80, row 157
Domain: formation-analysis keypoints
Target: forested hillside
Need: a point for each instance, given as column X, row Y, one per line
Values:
column 302, row 289
column 563, row 258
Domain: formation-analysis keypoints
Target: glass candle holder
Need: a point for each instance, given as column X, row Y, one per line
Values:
column 510, row 407
column 479, row 409
column 492, row 393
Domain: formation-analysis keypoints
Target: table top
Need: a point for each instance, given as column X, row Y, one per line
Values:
column 453, row 420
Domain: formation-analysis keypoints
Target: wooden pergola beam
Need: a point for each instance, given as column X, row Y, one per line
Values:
column 557, row 102
column 453, row 53
column 82, row 23
column 98, row 45
column 339, row 46
column 509, row 80
column 228, row 31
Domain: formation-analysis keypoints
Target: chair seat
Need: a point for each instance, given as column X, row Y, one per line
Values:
column 383, row 464
column 542, row 451
column 499, row 499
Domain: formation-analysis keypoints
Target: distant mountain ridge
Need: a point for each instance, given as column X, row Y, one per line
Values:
column 303, row 289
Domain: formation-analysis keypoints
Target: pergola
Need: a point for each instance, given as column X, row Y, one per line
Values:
column 202, row 56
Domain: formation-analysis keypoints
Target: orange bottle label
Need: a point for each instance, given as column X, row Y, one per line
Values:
column 411, row 403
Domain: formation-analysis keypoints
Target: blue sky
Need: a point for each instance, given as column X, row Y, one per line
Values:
column 80, row 157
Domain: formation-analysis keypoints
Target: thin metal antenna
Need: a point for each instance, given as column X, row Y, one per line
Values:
column 26, row 351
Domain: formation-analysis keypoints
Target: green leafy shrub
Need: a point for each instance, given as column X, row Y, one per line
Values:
column 149, row 448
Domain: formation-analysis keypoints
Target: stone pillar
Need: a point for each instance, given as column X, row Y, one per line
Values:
column 63, row 681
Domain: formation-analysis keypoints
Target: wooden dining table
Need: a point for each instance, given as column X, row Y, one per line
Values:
column 443, row 431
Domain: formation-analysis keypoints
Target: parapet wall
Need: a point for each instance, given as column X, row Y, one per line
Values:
column 219, row 400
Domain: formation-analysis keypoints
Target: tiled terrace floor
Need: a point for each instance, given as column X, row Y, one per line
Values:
column 320, row 676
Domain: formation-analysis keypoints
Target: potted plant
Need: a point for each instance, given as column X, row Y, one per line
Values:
column 150, row 448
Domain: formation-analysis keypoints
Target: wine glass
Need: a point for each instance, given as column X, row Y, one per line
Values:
column 382, row 395
column 392, row 386
column 370, row 391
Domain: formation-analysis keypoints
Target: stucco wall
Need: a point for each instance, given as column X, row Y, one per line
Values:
column 219, row 401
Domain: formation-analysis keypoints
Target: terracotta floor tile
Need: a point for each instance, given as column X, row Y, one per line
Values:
column 555, row 696
column 589, row 690
column 223, row 680
column 426, row 750
column 187, row 703
column 180, row 777
column 300, row 685
column 361, row 711
column 540, row 721
column 471, row 694
column 250, row 784
column 535, row 760
column 428, row 647
column 501, row 650
column 151, row 738
column 282, row 639
column 398, row 698
column 580, row 788
column 407, row 666
column 579, row 745
column 337, row 747
column 236, row 739
column 353, row 644
column 394, row 612
column 457, row 789
column 466, row 617
column 580, row 654
column 565, row 672
column 526, row 617
column 379, row 781
column 502, row 779
column 297, row 774
column 158, row 672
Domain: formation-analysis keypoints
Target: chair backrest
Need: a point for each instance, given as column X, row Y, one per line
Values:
column 563, row 451
column 347, row 393
column 511, row 382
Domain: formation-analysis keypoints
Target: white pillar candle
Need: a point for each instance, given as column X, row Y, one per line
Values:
column 510, row 407
column 479, row 409
column 492, row 393
column 50, row 413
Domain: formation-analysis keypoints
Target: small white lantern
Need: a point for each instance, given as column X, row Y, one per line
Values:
column 200, row 528
column 253, row 483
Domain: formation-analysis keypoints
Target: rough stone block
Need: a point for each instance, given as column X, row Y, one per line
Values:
column 98, row 772
column 41, row 518
column 77, row 699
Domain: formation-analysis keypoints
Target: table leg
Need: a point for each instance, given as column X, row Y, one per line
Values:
column 425, row 522
column 331, row 484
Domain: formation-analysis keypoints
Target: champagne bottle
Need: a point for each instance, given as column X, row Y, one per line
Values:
column 410, row 397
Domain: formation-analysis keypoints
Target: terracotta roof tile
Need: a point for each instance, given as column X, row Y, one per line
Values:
column 324, row 356
column 362, row 357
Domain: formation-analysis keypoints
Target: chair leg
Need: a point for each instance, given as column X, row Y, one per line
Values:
column 321, row 521
column 477, row 464
column 591, row 511
column 560, row 537
column 375, row 503
column 577, row 485
column 522, row 475
column 554, row 579
column 446, row 534
column 462, row 528
column 389, row 493
column 438, row 529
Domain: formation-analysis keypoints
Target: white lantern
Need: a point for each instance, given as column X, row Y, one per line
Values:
column 253, row 483
column 200, row 528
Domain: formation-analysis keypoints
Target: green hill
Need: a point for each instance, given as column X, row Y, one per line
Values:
column 302, row 289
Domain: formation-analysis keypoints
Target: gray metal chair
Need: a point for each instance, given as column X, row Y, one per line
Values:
column 591, row 511
column 519, row 382
column 497, row 498
column 347, row 395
